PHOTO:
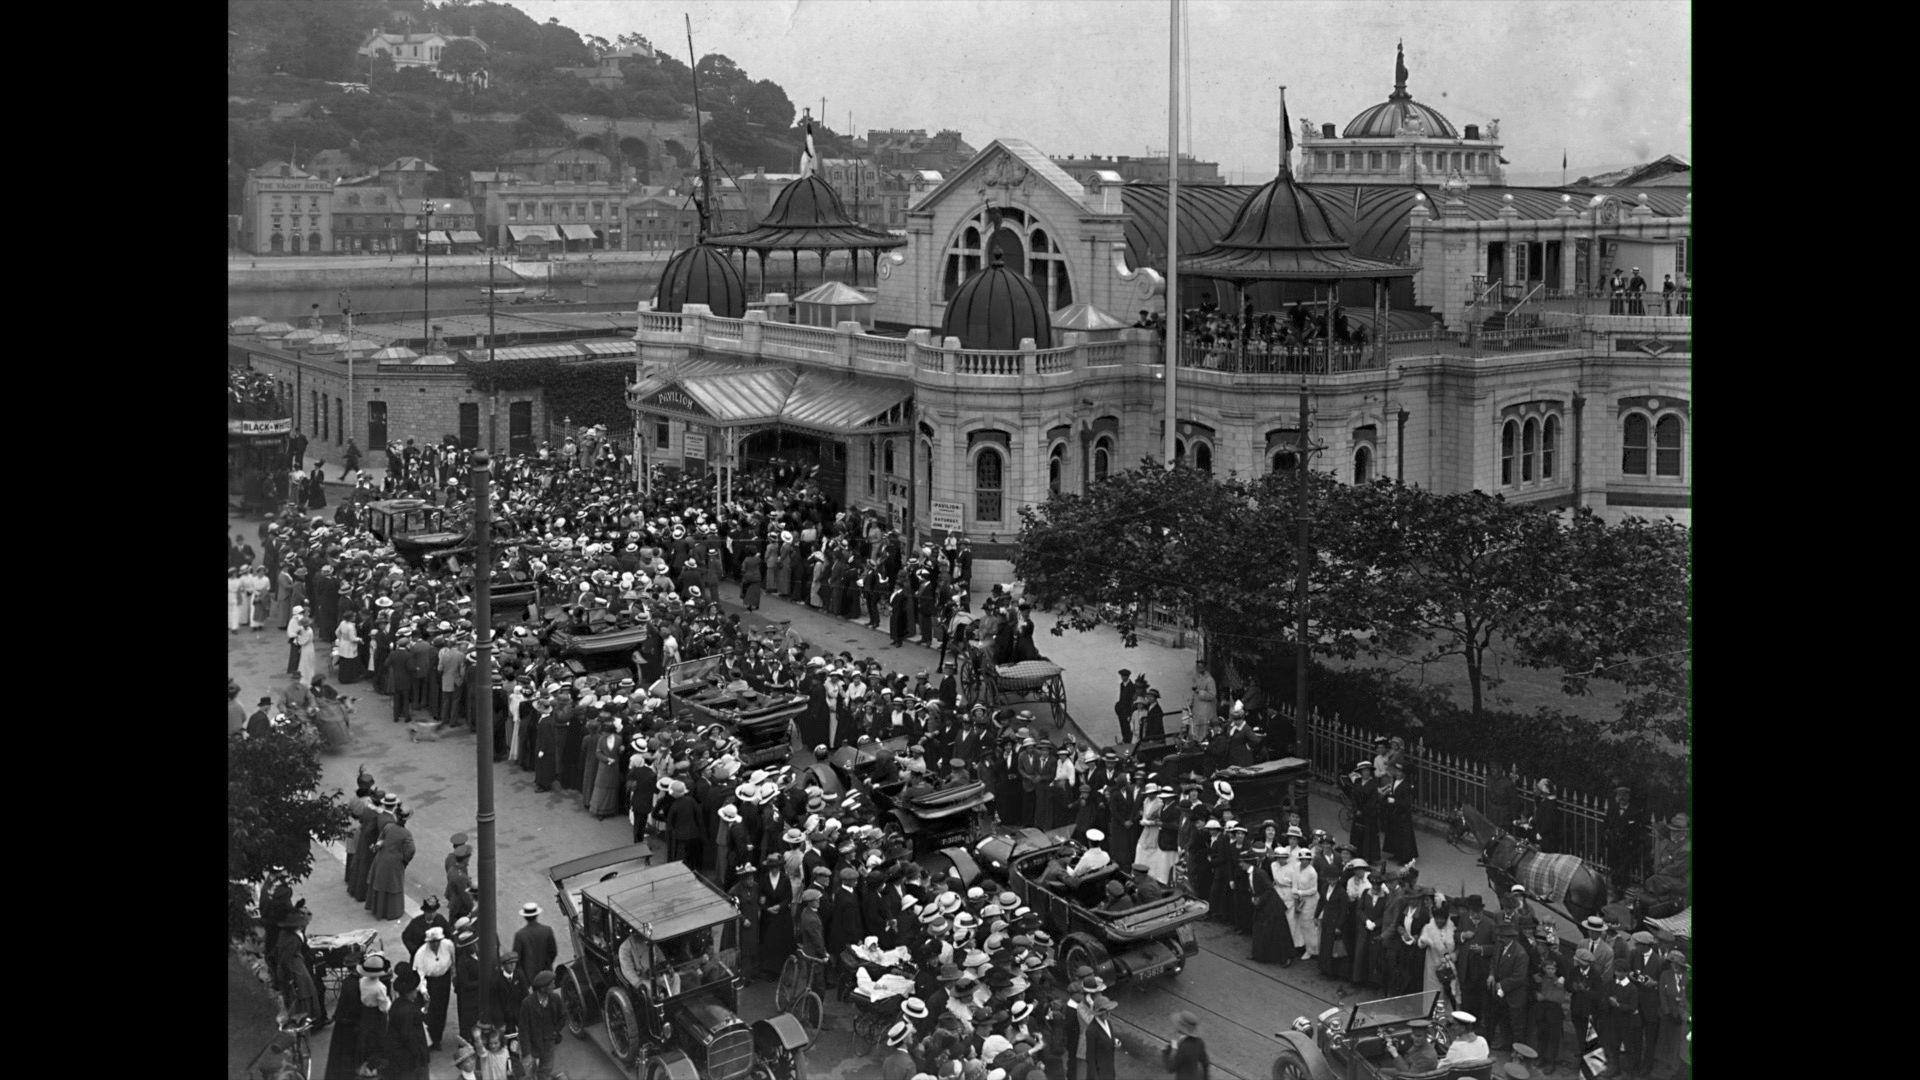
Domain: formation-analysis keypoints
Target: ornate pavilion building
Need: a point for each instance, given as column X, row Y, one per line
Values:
column 991, row 370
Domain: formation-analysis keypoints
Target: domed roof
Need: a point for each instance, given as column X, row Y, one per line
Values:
column 1282, row 215
column 701, row 274
column 806, row 203
column 995, row 308
column 1285, row 232
column 1383, row 121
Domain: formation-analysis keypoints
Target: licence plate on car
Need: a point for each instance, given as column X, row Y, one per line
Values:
column 1160, row 968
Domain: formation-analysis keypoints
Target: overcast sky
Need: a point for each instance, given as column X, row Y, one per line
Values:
column 1607, row 80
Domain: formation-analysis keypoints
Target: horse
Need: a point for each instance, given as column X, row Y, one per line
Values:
column 1509, row 860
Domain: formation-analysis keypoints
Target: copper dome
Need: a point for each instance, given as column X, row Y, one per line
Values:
column 701, row 274
column 995, row 308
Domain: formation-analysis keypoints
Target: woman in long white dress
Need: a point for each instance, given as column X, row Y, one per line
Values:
column 1437, row 944
column 300, row 633
column 237, row 604
column 1159, row 863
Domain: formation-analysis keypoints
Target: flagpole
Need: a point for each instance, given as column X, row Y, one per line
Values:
column 1173, row 225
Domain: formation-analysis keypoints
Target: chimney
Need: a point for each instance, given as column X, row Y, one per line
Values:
column 1326, row 131
column 1473, row 131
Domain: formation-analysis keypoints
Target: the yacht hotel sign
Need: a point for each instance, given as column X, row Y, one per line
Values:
column 260, row 427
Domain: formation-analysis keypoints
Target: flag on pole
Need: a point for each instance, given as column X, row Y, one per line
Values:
column 1286, row 134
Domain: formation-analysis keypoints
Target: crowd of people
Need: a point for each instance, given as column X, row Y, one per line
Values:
column 810, row 869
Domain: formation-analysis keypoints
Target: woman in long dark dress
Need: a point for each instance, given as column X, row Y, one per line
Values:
column 1396, row 817
column 573, row 739
column 387, row 879
column 589, row 761
column 343, row 1050
column 1336, row 929
column 553, row 732
column 776, row 914
column 607, row 787
column 1369, row 907
column 530, row 735
column 1272, row 940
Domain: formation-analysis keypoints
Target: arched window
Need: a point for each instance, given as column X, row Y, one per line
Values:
column 886, row 459
column 1179, row 451
column 987, row 480
column 1285, row 461
column 926, row 466
column 1203, row 457
column 1529, row 441
column 1509, row 434
column 1362, row 464
column 1102, row 458
column 873, row 463
column 1056, row 467
column 1633, row 445
column 1666, row 446
column 1549, row 442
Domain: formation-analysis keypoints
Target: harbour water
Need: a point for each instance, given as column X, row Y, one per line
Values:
column 288, row 304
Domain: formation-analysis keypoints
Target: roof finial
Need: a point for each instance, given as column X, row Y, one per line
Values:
column 1400, row 70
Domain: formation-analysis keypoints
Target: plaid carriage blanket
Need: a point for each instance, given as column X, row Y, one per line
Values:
column 1680, row 925
column 1025, row 675
column 1547, row 876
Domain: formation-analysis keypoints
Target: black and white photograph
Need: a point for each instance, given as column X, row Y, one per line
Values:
column 959, row 539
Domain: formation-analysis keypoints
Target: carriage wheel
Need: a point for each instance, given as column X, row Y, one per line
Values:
column 791, row 985
column 579, row 1002
column 1057, row 700
column 865, row 1037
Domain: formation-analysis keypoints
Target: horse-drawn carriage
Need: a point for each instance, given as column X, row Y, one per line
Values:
column 1035, row 682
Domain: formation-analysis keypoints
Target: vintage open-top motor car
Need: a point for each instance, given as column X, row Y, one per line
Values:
column 416, row 528
column 931, row 816
column 1152, row 938
column 1357, row 1042
column 653, row 980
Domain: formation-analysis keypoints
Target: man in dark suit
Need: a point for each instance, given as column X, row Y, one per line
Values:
column 1123, row 708
column 534, row 943
column 1637, row 292
column 421, row 662
column 810, row 936
column 1101, row 1040
column 1512, row 980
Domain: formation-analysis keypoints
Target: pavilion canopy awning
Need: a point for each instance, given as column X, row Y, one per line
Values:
column 732, row 396
column 438, row 237
column 577, row 232
column 523, row 233
column 466, row 236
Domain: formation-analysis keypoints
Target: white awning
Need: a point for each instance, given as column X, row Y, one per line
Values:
column 466, row 236
column 438, row 237
column 532, row 232
column 578, row 232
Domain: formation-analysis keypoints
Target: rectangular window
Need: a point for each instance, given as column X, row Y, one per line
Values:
column 566, row 211
column 660, row 436
column 580, row 211
column 1426, row 159
column 513, row 211
column 1633, row 446
column 1393, row 160
column 376, row 425
column 546, row 211
column 599, row 210
column 1339, row 159
column 469, row 424
column 1373, row 159
column 313, row 420
column 339, row 421
column 326, row 414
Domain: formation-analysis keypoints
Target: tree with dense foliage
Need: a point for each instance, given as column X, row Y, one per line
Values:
column 1396, row 571
column 465, row 58
column 275, row 814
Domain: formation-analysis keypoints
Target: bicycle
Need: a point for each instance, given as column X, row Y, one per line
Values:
column 794, row 992
column 289, row 1056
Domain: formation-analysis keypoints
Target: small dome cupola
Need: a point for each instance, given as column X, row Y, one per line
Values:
column 995, row 309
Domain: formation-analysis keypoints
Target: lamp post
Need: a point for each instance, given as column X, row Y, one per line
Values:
column 426, row 272
column 481, row 479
